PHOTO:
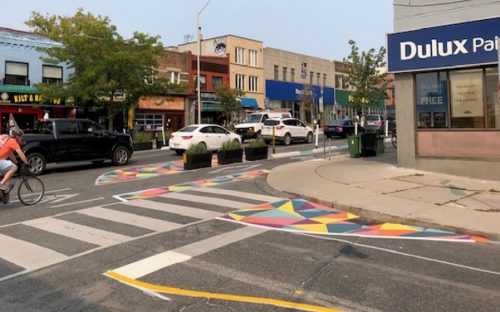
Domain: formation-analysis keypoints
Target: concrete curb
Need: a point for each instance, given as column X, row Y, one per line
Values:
column 376, row 216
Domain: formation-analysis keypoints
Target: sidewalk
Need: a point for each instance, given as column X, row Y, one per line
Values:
column 375, row 188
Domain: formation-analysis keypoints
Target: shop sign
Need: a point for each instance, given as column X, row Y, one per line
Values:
column 26, row 98
column 470, row 43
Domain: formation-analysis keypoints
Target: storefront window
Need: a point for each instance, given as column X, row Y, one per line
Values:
column 432, row 100
column 492, row 98
column 467, row 102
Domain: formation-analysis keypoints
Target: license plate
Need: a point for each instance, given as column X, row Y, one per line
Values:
column 175, row 144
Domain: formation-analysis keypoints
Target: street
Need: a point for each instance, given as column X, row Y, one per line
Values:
column 152, row 237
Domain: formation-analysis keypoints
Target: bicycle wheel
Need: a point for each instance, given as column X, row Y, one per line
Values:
column 30, row 190
column 394, row 140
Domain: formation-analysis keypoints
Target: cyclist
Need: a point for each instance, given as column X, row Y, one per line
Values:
column 13, row 144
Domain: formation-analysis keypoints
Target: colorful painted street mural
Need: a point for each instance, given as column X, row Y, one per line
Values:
column 135, row 173
column 299, row 215
column 191, row 185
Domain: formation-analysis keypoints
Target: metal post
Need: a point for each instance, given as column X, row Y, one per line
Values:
column 274, row 141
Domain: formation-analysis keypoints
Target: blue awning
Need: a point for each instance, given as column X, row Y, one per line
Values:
column 248, row 102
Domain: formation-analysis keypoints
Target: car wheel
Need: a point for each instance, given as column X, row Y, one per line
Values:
column 257, row 135
column 287, row 139
column 36, row 163
column 236, row 141
column 309, row 137
column 179, row 152
column 120, row 156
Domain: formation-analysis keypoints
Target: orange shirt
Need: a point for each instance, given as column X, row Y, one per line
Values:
column 9, row 146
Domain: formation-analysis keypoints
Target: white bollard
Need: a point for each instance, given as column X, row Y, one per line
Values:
column 386, row 128
column 356, row 128
column 317, row 135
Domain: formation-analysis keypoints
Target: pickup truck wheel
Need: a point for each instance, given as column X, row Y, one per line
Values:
column 120, row 156
column 36, row 163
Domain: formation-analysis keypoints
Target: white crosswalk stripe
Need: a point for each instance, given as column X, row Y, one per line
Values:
column 78, row 225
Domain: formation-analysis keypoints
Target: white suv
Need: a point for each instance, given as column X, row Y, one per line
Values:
column 287, row 130
column 251, row 127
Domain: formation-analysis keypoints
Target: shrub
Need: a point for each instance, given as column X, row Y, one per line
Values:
column 259, row 142
column 230, row 145
column 199, row 148
column 142, row 137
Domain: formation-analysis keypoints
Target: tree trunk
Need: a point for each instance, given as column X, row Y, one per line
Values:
column 111, row 116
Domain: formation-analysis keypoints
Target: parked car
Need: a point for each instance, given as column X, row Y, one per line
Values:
column 287, row 130
column 374, row 123
column 339, row 128
column 65, row 139
column 251, row 127
column 211, row 135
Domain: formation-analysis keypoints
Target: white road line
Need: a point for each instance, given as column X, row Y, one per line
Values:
column 157, row 262
column 27, row 255
column 77, row 202
column 77, row 231
column 213, row 190
column 177, row 209
column 129, row 218
column 208, row 200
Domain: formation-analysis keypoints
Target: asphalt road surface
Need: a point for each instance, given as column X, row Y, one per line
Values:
column 83, row 249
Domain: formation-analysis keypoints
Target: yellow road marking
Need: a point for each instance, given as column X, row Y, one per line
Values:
column 219, row 296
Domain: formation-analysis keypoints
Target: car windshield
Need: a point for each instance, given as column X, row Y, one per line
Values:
column 372, row 117
column 188, row 129
column 271, row 122
column 337, row 122
column 252, row 118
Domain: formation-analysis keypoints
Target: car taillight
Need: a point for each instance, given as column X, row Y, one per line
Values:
column 187, row 137
column 280, row 127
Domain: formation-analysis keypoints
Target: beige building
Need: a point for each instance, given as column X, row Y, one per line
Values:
column 293, row 79
column 246, row 63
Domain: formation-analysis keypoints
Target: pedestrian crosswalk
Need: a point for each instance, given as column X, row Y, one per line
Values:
column 91, row 229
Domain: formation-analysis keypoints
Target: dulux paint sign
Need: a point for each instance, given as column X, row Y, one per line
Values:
column 457, row 45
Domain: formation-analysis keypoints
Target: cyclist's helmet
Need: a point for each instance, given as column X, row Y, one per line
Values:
column 16, row 132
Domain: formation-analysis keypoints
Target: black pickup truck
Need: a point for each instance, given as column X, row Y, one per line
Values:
column 64, row 140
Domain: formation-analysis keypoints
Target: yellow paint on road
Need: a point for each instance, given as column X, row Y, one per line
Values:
column 219, row 296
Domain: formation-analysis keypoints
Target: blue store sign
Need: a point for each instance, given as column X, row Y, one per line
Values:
column 290, row 91
column 470, row 43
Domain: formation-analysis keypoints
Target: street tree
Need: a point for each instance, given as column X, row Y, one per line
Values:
column 229, row 100
column 366, row 76
column 109, row 70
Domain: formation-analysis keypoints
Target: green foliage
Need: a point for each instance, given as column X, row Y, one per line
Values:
column 259, row 142
column 105, row 64
column 228, row 99
column 365, row 78
column 230, row 145
column 199, row 148
column 142, row 137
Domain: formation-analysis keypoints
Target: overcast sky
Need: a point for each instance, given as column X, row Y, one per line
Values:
column 318, row 28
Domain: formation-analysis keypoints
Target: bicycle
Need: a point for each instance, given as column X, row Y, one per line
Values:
column 394, row 138
column 29, row 191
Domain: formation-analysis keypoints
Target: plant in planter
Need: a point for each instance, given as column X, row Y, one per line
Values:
column 197, row 156
column 142, row 141
column 230, row 152
column 256, row 150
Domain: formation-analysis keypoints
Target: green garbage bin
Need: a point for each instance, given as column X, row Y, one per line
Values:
column 354, row 148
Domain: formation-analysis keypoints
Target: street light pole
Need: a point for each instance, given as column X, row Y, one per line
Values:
column 198, row 44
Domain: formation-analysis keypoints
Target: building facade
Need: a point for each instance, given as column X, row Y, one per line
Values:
column 21, row 68
column 445, row 61
column 246, row 64
column 301, row 84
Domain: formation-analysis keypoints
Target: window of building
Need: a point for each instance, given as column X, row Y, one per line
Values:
column 324, row 80
column 432, row 100
column 16, row 73
column 467, row 101
column 292, row 74
column 240, row 55
column 173, row 77
column 276, row 72
column 284, row 73
column 338, row 81
column 52, row 74
column 253, row 58
column 216, row 80
column 149, row 121
column 252, row 83
column 492, row 99
column 318, row 77
column 203, row 82
column 240, row 82
column 311, row 77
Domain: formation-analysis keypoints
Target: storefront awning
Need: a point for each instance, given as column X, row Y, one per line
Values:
column 248, row 102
